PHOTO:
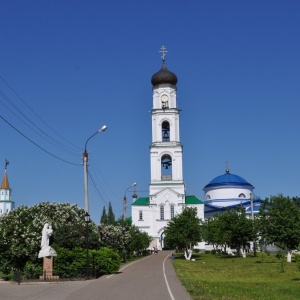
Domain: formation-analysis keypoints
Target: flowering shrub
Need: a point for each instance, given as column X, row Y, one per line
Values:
column 20, row 231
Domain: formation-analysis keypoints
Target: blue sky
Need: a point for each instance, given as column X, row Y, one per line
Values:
column 68, row 67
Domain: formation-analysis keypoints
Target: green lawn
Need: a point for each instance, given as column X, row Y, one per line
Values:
column 212, row 276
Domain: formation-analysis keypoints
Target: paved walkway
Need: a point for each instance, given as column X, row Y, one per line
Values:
column 152, row 277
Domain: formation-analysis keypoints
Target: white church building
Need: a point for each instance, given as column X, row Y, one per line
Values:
column 228, row 191
column 167, row 192
column 6, row 203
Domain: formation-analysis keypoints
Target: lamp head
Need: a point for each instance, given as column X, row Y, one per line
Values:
column 103, row 128
column 87, row 217
column 134, row 184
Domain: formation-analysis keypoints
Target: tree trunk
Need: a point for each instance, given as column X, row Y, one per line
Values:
column 188, row 254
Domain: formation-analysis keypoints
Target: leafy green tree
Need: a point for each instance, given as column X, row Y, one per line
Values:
column 239, row 228
column 110, row 215
column 139, row 241
column 103, row 219
column 184, row 230
column 296, row 201
column 229, row 228
column 73, row 235
column 279, row 223
column 212, row 232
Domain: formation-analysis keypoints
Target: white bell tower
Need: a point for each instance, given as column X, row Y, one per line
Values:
column 166, row 149
column 167, row 188
column 6, row 203
column 167, row 193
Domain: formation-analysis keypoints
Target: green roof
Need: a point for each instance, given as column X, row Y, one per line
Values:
column 188, row 200
column 192, row 200
column 141, row 202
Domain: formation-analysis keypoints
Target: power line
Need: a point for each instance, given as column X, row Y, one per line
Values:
column 96, row 188
column 37, row 144
column 56, row 142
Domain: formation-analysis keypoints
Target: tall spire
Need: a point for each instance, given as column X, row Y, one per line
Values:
column 5, row 184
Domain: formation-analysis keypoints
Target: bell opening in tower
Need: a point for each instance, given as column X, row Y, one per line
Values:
column 166, row 167
column 165, row 131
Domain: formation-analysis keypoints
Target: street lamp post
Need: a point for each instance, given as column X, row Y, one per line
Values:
column 252, row 217
column 85, row 167
column 124, row 245
column 87, row 221
column 86, row 195
column 125, row 200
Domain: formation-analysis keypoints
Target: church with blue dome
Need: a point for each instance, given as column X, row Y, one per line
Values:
column 228, row 191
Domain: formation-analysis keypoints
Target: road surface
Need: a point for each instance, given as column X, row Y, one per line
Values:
column 150, row 278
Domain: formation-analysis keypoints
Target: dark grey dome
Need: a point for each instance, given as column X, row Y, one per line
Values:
column 164, row 76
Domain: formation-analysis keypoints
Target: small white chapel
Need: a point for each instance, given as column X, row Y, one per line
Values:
column 167, row 192
column 6, row 203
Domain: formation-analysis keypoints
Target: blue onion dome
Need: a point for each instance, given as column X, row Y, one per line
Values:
column 164, row 76
column 228, row 179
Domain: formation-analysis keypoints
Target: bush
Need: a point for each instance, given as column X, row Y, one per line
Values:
column 106, row 260
column 72, row 263
column 7, row 277
column 32, row 270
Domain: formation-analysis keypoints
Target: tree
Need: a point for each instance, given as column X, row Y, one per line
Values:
column 103, row 219
column 213, row 233
column 112, row 237
column 110, row 215
column 279, row 223
column 229, row 228
column 296, row 201
column 239, row 228
column 139, row 240
column 184, row 231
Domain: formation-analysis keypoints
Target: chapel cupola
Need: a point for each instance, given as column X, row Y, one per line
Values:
column 164, row 76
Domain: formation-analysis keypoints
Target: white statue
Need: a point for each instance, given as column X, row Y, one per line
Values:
column 46, row 250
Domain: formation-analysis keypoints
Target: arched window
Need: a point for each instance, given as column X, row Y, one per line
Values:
column 242, row 195
column 165, row 127
column 172, row 211
column 166, row 167
column 207, row 197
column 140, row 215
column 162, row 212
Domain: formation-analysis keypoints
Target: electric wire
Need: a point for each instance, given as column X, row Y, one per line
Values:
column 34, row 143
column 18, row 96
column 43, row 137
column 100, row 195
column 56, row 142
column 97, row 171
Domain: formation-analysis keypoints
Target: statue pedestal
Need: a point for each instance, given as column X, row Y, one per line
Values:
column 48, row 269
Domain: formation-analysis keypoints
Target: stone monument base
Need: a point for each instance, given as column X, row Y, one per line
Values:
column 48, row 269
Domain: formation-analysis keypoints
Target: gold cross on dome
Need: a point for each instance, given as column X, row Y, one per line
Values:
column 164, row 51
column 227, row 166
column 6, row 163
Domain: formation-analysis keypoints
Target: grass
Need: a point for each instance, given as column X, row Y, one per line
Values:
column 213, row 276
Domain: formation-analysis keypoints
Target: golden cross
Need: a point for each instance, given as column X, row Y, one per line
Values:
column 164, row 51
